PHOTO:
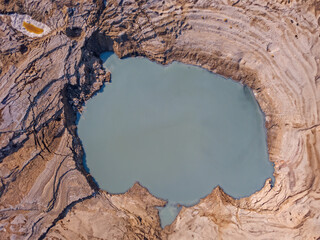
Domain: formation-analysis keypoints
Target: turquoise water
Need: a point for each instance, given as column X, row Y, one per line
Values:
column 178, row 129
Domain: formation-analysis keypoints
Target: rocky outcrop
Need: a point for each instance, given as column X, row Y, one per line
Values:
column 273, row 47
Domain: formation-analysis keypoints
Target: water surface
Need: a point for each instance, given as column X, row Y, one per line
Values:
column 178, row 129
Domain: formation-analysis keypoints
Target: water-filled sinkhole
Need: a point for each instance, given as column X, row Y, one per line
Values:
column 178, row 129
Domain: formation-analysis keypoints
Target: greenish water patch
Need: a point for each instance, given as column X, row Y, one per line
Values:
column 178, row 129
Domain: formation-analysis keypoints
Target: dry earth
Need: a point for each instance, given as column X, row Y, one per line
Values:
column 272, row 46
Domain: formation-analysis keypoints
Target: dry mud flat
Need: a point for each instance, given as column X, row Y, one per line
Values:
column 273, row 47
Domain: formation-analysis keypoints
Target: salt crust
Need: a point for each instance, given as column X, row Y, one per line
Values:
column 17, row 23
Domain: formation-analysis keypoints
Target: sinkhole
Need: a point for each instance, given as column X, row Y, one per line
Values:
column 179, row 130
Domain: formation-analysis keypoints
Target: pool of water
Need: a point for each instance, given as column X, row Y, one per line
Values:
column 178, row 129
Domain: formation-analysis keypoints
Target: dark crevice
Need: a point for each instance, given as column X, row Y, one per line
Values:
column 73, row 32
column 56, row 188
column 99, row 43
column 70, row 125
column 64, row 213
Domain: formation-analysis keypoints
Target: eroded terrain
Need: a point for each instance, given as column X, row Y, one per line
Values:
column 273, row 47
